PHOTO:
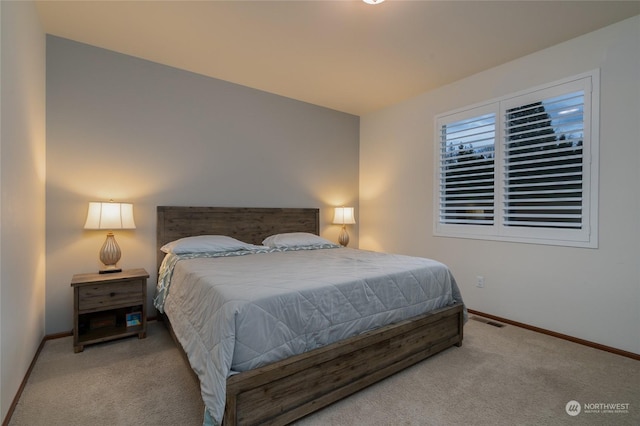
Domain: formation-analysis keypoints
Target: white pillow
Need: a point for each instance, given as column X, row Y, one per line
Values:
column 205, row 243
column 295, row 239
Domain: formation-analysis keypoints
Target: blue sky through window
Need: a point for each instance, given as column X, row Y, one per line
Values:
column 478, row 133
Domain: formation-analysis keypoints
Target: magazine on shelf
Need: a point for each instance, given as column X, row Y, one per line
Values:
column 134, row 318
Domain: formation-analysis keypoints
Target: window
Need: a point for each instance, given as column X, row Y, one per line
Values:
column 522, row 168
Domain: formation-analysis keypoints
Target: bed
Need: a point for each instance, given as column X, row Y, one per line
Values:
column 305, row 374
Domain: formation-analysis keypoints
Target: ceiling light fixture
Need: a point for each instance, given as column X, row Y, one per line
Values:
column 373, row 1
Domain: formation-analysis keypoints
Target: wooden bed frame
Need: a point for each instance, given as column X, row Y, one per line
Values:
column 287, row 390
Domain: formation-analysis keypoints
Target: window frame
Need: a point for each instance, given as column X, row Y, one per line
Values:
column 587, row 235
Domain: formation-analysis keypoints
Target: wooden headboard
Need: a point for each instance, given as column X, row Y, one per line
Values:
column 248, row 224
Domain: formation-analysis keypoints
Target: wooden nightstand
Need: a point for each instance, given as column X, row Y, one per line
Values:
column 109, row 306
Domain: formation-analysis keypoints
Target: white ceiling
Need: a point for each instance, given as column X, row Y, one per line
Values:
column 343, row 54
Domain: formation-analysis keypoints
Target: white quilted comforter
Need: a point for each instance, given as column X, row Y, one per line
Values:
column 237, row 313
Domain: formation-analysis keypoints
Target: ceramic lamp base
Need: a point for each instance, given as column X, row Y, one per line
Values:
column 343, row 238
column 110, row 255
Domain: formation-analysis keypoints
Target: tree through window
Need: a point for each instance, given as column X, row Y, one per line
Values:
column 543, row 164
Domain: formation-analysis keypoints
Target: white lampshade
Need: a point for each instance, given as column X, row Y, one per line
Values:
column 344, row 216
column 110, row 216
column 373, row 1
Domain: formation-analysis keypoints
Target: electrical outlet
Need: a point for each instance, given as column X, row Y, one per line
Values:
column 480, row 281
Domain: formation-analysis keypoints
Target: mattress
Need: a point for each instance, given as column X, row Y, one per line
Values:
column 244, row 310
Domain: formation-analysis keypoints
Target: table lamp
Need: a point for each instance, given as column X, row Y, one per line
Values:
column 110, row 216
column 344, row 216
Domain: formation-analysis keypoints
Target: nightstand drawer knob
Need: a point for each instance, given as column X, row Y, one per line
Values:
column 112, row 294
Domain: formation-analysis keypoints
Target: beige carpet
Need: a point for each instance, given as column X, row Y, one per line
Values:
column 500, row 376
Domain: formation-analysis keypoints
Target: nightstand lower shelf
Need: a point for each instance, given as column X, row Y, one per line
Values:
column 109, row 333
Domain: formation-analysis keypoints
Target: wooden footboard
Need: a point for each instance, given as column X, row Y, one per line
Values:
column 290, row 389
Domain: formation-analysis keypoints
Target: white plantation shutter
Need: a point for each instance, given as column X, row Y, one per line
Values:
column 527, row 172
column 467, row 181
column 543, row 173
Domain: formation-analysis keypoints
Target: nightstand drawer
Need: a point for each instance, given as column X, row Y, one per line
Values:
column 110, row 295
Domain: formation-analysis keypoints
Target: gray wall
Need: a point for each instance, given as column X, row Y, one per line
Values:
column 592, row 294
column 22, row 189
column 131, row 130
